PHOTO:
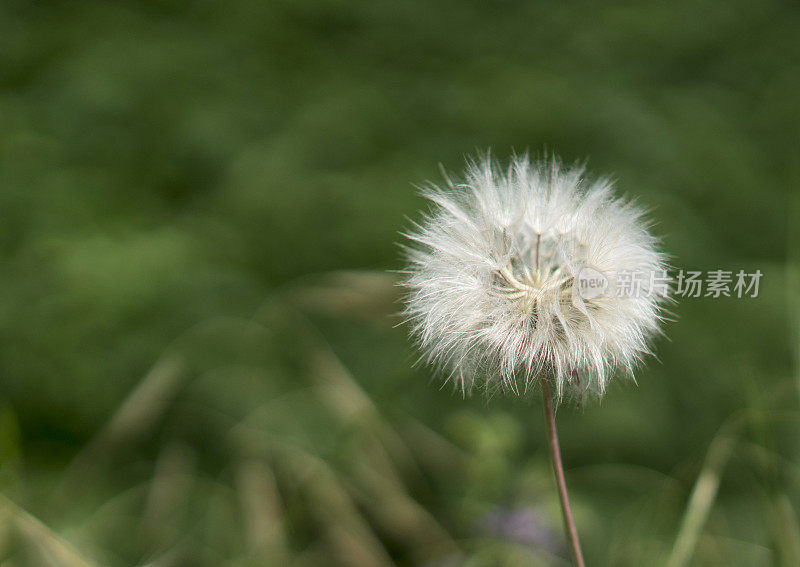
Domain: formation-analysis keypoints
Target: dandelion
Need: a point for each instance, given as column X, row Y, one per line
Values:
column 493, row 295
column 495, row 284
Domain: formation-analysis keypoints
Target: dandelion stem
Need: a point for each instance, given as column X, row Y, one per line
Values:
column 558, row 468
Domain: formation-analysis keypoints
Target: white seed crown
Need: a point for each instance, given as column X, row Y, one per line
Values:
column 493, row 294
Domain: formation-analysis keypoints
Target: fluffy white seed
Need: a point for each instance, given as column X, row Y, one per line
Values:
column 493, row 279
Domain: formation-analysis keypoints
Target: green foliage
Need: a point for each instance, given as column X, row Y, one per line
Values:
column 198, row 203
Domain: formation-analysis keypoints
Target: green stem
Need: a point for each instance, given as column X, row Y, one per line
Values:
column 703, row 495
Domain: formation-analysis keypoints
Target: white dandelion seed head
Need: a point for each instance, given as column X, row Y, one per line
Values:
column 492, row 270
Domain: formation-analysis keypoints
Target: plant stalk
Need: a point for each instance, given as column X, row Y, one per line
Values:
column 558, row 469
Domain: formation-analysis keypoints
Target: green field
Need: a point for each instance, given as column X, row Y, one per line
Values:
column 200, row 205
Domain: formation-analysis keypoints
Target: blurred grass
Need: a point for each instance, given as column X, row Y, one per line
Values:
column 198, row 203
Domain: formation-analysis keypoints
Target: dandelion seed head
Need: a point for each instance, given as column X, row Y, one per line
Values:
column 492, row 296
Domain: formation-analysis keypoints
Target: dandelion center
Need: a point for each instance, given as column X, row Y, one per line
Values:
column 538, row 267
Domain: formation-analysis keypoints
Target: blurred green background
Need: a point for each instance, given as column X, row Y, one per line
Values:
column 199, row 203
